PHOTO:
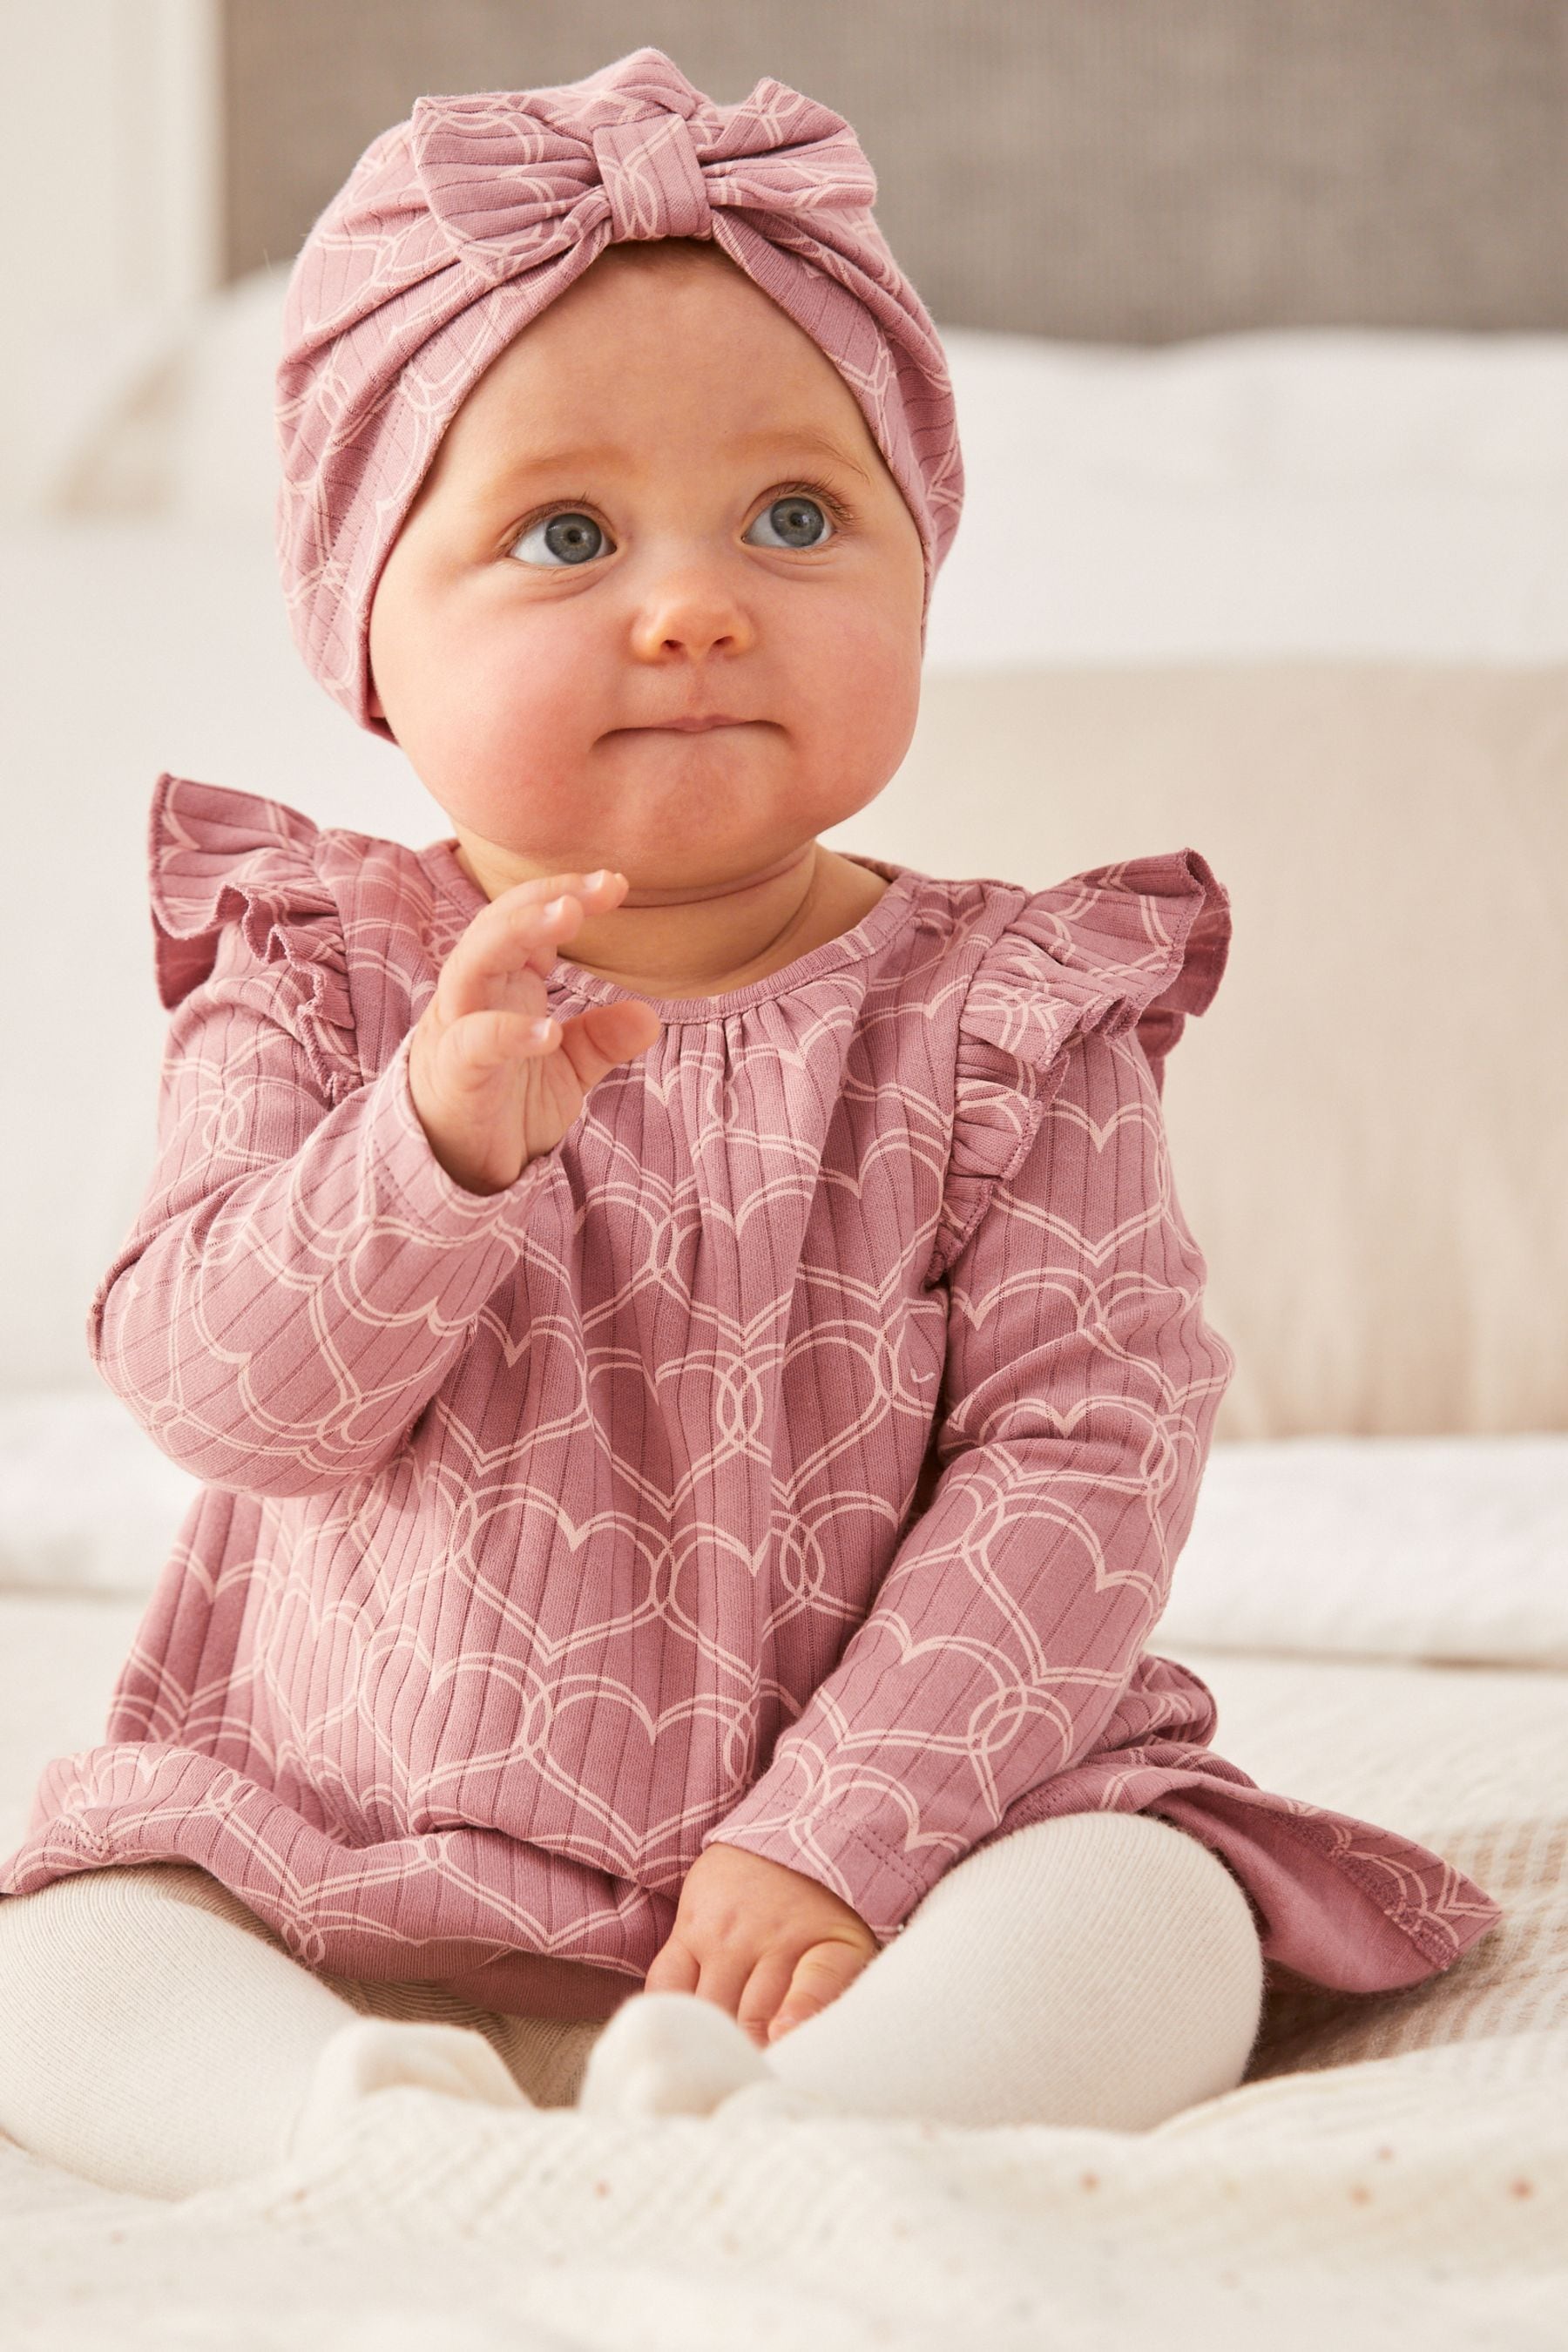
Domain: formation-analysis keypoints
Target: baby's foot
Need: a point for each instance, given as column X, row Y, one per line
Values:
column 376, row 2053
column 668, row 2053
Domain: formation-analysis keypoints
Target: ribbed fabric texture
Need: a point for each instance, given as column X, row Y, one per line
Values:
column 799, row 1455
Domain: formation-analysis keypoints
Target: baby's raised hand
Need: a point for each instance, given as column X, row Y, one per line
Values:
column 493, row 1092
column 764, row 1941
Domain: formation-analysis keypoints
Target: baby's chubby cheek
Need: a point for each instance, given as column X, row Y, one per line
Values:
column 504, row 710
column 860, row 669
column 474, row 709
column 484, row 711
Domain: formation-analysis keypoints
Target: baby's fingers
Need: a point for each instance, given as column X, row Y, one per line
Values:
column 595, row 1041
column 674, row 1968
column 478, row 1043
column 519, row 933
column 820, row 1976
column 592, row 1042
column 765, row 1991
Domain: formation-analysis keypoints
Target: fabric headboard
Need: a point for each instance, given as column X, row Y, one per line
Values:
column 1103, row 171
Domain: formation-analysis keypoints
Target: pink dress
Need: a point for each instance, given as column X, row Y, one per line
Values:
column 797, row 1455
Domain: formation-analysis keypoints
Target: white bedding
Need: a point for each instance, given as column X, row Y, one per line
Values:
column 1395, row 2166
column 1400, row 2161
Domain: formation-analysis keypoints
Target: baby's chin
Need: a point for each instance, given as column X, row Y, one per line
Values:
column 732, row 797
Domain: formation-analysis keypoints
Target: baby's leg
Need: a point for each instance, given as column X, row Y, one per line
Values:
column 156, row 2036
column 1098, row 1969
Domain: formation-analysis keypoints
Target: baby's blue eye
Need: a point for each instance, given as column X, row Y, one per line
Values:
column 562, row 538
column 798, row 520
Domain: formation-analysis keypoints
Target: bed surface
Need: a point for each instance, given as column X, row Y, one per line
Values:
column 1406, row 2153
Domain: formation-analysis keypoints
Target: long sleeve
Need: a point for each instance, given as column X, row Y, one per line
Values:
column 1080, row 1386
column 302, row 1272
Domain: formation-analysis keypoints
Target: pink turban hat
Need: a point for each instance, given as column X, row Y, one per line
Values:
column 459, row 225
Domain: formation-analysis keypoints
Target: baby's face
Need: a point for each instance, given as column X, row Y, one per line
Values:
column 661, row 502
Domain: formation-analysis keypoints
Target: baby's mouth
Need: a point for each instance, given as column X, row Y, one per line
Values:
column 687, row 726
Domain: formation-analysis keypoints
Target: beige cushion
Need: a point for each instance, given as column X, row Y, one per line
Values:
column 1369, row 1126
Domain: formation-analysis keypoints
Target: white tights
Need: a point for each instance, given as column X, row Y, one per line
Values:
column 1098, row 1969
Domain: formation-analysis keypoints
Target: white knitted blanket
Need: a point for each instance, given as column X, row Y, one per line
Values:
column 1395, row 2171
column 1418, row 2199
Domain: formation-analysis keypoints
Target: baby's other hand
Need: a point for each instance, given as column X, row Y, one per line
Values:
column 490, row 1094
column 765, row 1942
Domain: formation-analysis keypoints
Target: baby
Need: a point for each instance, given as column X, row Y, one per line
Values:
column 694, row 1356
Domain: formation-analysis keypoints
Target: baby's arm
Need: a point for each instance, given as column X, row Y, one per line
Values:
column 307, row 1266
column 1080, row 1389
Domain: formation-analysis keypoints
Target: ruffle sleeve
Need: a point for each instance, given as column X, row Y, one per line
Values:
column 306, row 1271
column 1142, row 942
column 219, row 858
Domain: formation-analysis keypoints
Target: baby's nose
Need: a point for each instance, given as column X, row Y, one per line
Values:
column 691, row 610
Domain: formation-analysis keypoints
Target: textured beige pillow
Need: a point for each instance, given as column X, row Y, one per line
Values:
column 1369, row 1126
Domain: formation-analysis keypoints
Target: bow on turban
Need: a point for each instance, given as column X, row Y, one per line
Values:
column 459, row 225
